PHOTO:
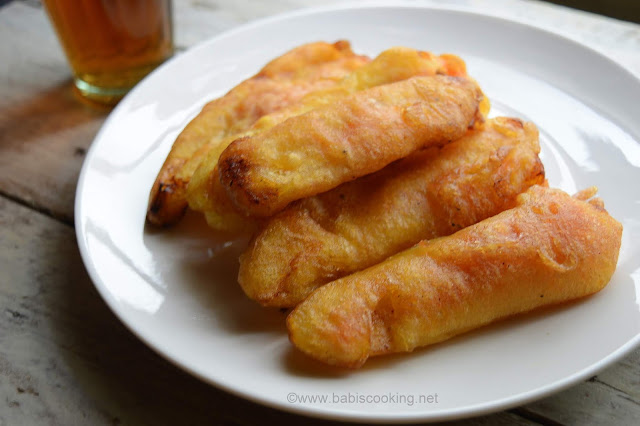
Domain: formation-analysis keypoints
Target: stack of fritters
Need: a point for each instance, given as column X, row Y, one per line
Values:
column 386, row 208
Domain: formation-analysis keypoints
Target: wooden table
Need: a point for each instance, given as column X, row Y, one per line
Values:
column 64, row 357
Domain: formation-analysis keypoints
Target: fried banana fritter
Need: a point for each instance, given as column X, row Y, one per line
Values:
column 549, row 249
column 429, row 194
column 205, row 192
column 283, row 81
column 352, row 137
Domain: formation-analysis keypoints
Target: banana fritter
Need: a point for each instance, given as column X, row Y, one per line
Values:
column 282, row 82
column 549, row 249
column 430, row 194
column 205, row 193
column 352, row 137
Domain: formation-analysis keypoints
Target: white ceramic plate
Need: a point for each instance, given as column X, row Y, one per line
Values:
column 176, row 289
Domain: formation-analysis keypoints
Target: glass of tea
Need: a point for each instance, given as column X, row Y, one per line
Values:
column 112, row 44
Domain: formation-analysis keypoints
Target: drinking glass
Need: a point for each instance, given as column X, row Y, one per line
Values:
column 112, row 44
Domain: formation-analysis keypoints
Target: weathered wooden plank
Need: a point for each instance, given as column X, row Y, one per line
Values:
column 624, row 375
column 199, row 20
column 504, row 418
column 64, row 358
column 590, row 403
column 44, row 129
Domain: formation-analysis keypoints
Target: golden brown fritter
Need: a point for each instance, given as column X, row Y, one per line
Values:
column 283, row 81
column 205, row 192
column 432, row 193
column 352, row 137
column 549, row 249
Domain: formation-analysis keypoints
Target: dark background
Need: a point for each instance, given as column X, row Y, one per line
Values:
column 628, row 10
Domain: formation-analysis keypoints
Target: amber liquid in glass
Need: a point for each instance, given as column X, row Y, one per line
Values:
column 112, row 44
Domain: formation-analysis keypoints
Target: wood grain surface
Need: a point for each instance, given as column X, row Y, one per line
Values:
column 64, row 357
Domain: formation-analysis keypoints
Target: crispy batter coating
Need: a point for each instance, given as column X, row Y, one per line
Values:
column 283, row 81
column 549, row 249
column 432, row 193
column 352, row 137
column 205, row 192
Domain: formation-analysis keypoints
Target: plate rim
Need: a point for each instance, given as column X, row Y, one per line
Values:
column 322, row 411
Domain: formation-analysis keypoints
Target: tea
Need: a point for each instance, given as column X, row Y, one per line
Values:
column 112, row 44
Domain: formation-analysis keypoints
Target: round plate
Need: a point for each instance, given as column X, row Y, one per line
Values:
column 176, row 289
